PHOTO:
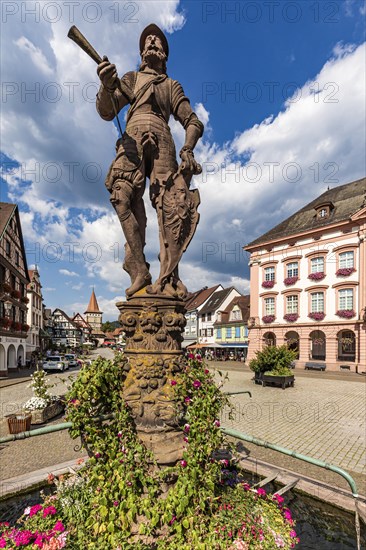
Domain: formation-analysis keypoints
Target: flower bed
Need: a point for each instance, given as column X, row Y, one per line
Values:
column 291, row 317
column 268, row 319
column 345, row 271
column 290, row 281
column 268, row 284
column 317, row 276
column 119, row 499
column 317, row 315
column 346, row 313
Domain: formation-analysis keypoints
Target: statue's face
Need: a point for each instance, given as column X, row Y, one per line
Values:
column 153, row 50
column 116, row 193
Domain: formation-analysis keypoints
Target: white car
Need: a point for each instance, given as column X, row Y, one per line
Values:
column 71, row 360
column 55, row 362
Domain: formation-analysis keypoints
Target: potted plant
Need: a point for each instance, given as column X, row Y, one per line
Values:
column 273, row 359
column 279, row 377
column 43, row 406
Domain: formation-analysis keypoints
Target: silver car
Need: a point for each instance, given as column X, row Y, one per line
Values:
column 71, row 360
column 55, row 362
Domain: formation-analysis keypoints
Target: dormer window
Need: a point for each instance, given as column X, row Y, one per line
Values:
column 323, row 210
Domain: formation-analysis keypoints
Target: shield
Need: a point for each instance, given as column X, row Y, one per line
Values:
column 178, row 218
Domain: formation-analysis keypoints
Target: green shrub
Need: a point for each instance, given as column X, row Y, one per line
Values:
column 272, row 358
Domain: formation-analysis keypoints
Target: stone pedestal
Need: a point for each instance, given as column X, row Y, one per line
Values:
column 154, row 328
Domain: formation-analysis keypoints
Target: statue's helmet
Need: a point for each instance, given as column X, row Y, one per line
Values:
column 154, row 29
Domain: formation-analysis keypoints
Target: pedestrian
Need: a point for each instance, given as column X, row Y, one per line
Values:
column 19, row 362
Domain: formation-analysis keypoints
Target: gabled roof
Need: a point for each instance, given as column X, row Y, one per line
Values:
column 346, row 200
column 7, row 211
column 93, row 304
column 197, row 298
column 79, row 320
column 244, row 303
column 66, row 317
column 216, row 300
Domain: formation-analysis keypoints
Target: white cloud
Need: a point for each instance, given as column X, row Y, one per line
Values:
column 79, row 286
column 35, row 54
column 68, row 273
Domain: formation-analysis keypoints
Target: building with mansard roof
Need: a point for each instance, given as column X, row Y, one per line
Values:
column 308, row 281
column 14, row 279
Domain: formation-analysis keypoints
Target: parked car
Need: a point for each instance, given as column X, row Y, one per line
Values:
column 71, row 360
column 55, row 362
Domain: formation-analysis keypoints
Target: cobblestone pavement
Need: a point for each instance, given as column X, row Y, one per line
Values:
column 323, row 417
column 319, row 417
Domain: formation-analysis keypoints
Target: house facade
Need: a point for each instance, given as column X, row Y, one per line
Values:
column 210, row 312
column 231, row 327
column 65, row 332
column 84, row 327
column 194, row 304
column 35, row 312
column 13, row 295
column 308, row 281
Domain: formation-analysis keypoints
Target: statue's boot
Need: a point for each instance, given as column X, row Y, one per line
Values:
column 140, row 282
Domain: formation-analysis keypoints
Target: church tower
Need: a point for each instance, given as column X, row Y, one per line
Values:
column 93, row 315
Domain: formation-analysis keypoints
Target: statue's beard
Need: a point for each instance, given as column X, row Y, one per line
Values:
column 151, row 56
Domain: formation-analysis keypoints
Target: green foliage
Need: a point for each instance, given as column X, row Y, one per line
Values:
column 272, row 358
column 121, row 500
column 280, row 371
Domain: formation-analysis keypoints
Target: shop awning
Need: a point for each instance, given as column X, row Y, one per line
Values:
column 200, row 346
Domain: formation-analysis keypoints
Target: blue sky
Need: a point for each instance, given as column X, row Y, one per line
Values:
column 279, row 85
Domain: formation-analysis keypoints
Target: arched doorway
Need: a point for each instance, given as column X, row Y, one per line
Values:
column 346, row 345
column 20, row 353
column 269, row 339
column 12, row 357
column 2, row 359
column 293, row 342
column 317, row 345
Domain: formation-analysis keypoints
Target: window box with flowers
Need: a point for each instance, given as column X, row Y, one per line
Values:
column 268, row 319
column 16, row 294
column 290, row 281
column 5, row 322
column 15, row 325
column 317, row 276
column 291, row 317
column 25, row 327
column 317, row 315
column 24, row 299
column 6, row 288
column 346, row 313
column 345, row 271
column 268, row 284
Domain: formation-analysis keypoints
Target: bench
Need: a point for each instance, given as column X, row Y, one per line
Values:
column 344, row 367
column 315, row 366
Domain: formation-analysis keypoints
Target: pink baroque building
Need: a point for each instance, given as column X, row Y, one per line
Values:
column 308, row 282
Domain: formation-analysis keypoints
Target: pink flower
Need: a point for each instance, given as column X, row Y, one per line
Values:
column 198, row 357
column 97, row 455
column 35, row 509
column 187, row 399
column 207, row 371
column 187, row 428
column 261, row 492
column 279, row 499
column 287, row 514
column 196, row 384
column 246, row 486
column 190, row 356
column 217, row 423
column 119, row 434
column 183, row 463
column 59, row 526
column 115, row 503
column 172, row 520
column 2, row 543
column 49, row 511
column 293, row 534
column 185, row 439
column 173, row 382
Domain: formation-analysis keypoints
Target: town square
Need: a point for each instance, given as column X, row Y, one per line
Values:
column 183, row 275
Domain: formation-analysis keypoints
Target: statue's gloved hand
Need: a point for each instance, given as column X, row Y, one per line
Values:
column 189, row 163
column 107, row 73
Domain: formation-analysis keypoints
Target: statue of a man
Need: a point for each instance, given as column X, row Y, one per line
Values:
column 147, row 149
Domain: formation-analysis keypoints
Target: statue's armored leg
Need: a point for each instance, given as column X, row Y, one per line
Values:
column 133, row 222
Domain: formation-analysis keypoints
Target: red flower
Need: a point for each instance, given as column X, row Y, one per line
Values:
column 183, row 463
column 173, row 382
column 196, row 384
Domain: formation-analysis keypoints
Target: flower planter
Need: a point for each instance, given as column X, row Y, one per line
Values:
column 40, row 416
column 258, row 377
column 278, row 381
column 18, row 423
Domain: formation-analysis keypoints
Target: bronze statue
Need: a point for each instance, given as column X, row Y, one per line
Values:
column 146, row 149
